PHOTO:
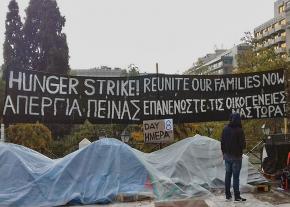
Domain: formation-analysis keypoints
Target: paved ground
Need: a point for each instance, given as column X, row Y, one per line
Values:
column 252, row 201
column 269, row 199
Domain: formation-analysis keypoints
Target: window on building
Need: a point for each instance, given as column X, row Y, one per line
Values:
column 283, row 45
column 283, row 34
column 281, row 8
column 229, row 61
column 282, row 22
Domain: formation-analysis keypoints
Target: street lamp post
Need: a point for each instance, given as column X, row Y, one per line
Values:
column 263, row 153
column 209, row 131
column 125, row 136
column 2, row 137
column 265, row 130
column 261, row 145
column 102, row 134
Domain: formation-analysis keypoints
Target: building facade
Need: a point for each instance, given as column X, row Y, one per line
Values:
column 220, row 62
column 275, row 33
column 102, row 71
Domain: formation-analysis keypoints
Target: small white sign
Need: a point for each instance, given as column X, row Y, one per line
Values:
column 158, row 131
column 168, row 124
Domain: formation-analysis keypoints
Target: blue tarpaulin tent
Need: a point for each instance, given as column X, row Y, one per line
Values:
column 94, row 174
column 101, row 171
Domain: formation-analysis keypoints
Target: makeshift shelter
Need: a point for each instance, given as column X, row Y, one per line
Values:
column 107, row 168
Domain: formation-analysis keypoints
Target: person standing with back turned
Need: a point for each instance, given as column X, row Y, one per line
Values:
column 232, row 144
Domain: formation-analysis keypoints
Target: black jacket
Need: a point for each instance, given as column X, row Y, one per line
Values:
column 233, row 138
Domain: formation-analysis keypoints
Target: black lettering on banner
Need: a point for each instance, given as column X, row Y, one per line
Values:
column 34, row 96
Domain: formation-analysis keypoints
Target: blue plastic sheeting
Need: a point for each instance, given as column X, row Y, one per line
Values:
column 108, row 167
column 94, row 174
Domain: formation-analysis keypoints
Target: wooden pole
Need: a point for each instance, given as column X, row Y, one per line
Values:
column 285, row 125
column 287, row 90
column 157, row 69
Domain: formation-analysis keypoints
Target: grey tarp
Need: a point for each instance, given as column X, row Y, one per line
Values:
column 108, row 167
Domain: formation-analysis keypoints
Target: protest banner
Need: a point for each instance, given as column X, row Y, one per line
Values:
column 34, row 96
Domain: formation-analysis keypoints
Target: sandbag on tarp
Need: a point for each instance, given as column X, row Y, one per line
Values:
column 94, row 174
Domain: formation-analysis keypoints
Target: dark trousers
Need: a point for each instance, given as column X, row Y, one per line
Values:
column 233, row 168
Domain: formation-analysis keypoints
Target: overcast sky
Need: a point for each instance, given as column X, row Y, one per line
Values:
column 173, row 33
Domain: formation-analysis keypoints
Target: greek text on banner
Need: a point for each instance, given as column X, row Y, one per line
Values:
column 33, row 96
